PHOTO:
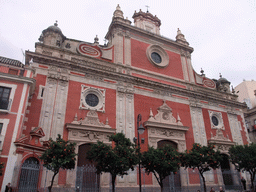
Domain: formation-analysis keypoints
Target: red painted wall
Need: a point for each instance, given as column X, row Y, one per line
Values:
column 35, row 108
column 140, row 60
column 209, row 130
column 243, row 131
column 73, row 103
column 142, row 105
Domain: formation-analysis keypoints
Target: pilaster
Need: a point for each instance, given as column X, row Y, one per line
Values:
column 235, row 128
column 198, row 123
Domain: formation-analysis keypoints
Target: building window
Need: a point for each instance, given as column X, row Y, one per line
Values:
column 1, row 127
column 92, row 98
column 41, row 92
column 157, row 56
column 216, row 120
column 4, row 97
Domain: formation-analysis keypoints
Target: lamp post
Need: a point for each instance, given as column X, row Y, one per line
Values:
column 140, row 129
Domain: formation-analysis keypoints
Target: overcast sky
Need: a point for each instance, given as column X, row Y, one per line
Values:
column 222, row 32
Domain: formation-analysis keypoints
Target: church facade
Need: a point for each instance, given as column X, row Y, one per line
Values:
column 86, row 92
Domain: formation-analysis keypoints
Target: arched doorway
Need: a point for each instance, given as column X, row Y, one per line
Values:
column 226, row 171
column 29, row 175
column 86, row 177
column 172, row 182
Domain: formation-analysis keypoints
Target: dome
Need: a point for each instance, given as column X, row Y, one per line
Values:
column 222, row 80
column 54, row 28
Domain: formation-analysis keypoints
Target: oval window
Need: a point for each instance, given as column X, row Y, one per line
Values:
column 215, row 121
column 156, row 57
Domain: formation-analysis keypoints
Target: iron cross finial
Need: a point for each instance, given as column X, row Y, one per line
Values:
column 147, row 7
column 56, row 23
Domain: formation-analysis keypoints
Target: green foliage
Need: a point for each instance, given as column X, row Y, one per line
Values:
column 117, row 160
column 59, row 155
column 161, row 162
column 244, row 158
column 201, row 157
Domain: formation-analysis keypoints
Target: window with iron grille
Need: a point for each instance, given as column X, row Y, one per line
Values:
column 4, row 97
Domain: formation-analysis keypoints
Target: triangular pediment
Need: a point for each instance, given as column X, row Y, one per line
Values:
column 37, row 131
column 164, row 115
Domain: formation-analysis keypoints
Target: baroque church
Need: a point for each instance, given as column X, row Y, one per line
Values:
column 85, row 92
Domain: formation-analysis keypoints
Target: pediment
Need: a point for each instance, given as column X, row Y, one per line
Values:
column 37, row 131
column 164, row 117
column 220, row 140
column 92, row 120
column 89, row 129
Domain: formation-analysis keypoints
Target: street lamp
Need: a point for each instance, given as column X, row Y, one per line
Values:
column 141, row 130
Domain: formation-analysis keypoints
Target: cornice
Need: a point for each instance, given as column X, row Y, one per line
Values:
column 250, row 112
column 193, row 90
column 116, row 23
column 19, row 79
column 28, row 146
column 151, row 124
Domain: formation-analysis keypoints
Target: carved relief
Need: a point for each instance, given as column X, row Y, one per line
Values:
column 216, row 120
column 92, row 98
column 58, row 73
column 89, row 129
column 222, row 143
column 163, row 126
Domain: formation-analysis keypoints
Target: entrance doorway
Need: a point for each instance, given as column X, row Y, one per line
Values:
column 226, row 172
column 29, row 175
column 87, row 180
column 172, row 182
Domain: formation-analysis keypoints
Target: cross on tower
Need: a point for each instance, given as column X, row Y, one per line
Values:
column 147, row 7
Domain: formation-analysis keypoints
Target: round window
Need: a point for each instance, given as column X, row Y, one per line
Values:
column 156, row 57
column 215, row 121
column 92, row 100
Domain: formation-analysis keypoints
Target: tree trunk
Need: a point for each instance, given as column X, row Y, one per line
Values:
column 201, row 174
column 50, row 187
column 252, row 179
column 161, row 185
column 113, row 182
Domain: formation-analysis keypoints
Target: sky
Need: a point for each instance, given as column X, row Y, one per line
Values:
column 222, row 32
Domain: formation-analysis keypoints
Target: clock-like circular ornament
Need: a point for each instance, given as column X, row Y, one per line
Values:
column 165, row 116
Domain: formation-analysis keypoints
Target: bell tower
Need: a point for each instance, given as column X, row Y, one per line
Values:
column 147, row 22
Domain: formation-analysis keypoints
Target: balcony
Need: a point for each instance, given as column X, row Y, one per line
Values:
column 5, row 105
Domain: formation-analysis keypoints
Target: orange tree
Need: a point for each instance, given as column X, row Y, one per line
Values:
column 115, row 160
column 201, row 157
column 59, row 155
column 161, row 162
column 244, row 159
column 1, row 168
